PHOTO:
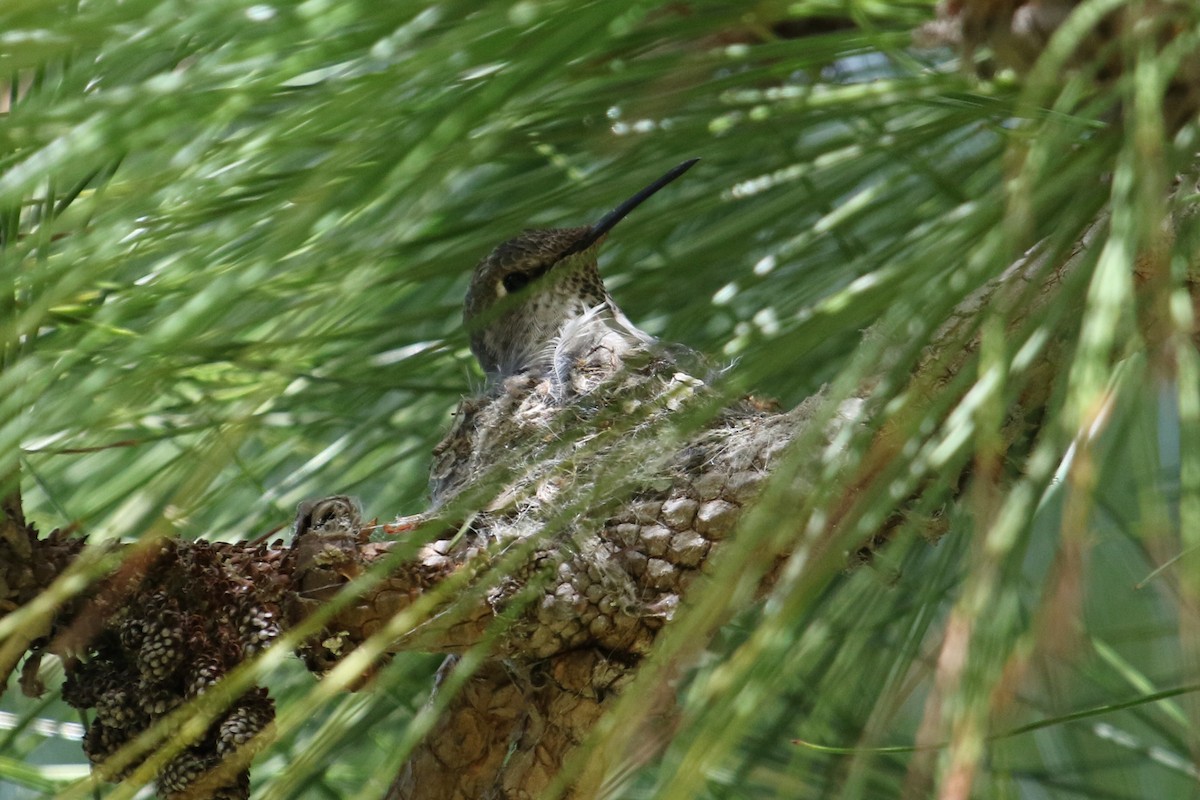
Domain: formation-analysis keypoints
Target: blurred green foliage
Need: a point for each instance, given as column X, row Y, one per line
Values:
column 236, row 236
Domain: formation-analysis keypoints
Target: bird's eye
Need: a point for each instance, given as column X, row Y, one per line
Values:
column 515, row 281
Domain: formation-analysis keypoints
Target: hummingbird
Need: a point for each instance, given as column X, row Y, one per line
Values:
column 537, row 304
column 544, row 329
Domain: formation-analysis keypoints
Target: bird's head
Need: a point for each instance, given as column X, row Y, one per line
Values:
column 528, row 288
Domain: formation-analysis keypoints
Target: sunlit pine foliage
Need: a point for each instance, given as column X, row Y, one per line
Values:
column 236, row 236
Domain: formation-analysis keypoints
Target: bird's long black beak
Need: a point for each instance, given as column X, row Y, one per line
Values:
column 609, row 220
